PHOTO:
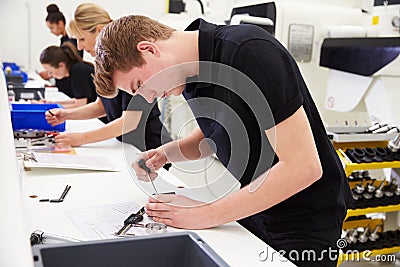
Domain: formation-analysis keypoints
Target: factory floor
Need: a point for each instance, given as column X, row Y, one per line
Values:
column 210, row 173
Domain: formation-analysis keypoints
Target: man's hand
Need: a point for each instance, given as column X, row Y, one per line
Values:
column 179, row 211
column 56, row 116
column 154, row 159
column 70, row 139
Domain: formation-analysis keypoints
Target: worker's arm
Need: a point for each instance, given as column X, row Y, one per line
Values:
column 191, row 147
column 271, row 188
column 71, row 103
column 110, row 130
column 89, row 111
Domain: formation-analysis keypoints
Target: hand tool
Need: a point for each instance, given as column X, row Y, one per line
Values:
column 142, row 165
column 133, row 219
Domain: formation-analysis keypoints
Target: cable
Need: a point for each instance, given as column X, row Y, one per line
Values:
column 201, row 6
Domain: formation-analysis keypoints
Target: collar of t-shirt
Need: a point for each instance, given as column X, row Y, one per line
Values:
column 206, row 53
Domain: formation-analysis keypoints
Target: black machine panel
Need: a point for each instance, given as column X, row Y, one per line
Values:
column 363, row 56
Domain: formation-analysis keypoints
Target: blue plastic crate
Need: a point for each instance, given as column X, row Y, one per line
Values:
column 31, row 116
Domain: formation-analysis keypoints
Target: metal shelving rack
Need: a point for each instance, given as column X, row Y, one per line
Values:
column 390, row 210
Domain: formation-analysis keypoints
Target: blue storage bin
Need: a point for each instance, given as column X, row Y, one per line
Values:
column 31, row 116
column 20, row 73
column 12, row 65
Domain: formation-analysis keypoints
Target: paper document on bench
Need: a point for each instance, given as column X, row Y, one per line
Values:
column 102, row 222
column 69, row 161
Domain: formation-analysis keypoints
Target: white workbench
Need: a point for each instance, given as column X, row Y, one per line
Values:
column 232, row 242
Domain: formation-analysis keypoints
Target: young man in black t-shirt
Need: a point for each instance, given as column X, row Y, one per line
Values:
column 254, row 110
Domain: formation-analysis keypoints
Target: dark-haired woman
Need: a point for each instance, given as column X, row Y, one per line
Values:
column 73, row 75
column 55, row 21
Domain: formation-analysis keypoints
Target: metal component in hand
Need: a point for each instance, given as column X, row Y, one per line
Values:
column 142, row 165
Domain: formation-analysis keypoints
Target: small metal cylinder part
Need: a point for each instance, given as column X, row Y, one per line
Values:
column 394, row 145
column 367, row 195
column 363, row 237
column 355, row 196
column 379, row 191
column 397, row 191
column 359, row 188
column 374, row 235
column 352, row 236
column 370, row 187
column 390, row 188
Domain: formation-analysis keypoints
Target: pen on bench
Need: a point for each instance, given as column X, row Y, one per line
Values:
column 58, row 200
column 64, row 193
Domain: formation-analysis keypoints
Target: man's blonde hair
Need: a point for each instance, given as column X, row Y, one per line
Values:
column 87, row 17
column 116, row 48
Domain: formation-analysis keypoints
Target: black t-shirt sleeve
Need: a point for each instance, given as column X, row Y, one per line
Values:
column 137, row 102
column 125, row 99
column 82, row 81
column 271, row 68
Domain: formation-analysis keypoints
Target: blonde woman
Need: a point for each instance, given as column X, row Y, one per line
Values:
column 143, row 129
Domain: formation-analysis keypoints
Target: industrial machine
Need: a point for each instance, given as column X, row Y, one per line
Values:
column 348, row 53
column 345, row 97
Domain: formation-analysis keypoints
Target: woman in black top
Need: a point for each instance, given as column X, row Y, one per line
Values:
column 130, row 119
column 73, row 75
column 55, row 21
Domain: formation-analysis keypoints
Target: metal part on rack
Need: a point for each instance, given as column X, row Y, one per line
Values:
column 355, row 196
column 359, row 188
column 397, row 191
column 352, row 236
column 379, row 191
column 375, row 127
column 390, row 188
column 374, row 235
column 364, row 174
column 367, row 195
column 363, row 237
column 394, row 145
column 370, row 188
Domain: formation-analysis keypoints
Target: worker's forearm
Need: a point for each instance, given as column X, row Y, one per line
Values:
column 188, row 148
column 108, row 131
column 126, row 123
column 89, row 111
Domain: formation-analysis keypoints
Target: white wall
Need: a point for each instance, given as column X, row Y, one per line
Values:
column 24, row 33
